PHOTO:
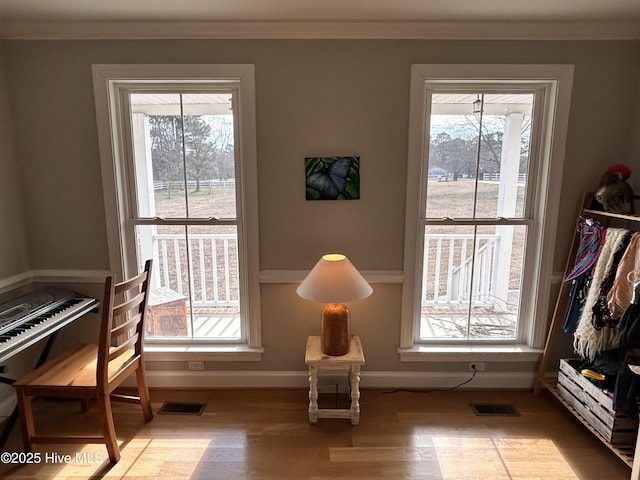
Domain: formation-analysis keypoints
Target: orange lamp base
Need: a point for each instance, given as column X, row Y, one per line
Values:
column 335, row 334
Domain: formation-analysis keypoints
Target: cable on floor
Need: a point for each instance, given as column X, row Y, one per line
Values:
column 415, row 390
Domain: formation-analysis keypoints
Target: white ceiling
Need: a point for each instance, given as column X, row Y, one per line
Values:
column 620, row 18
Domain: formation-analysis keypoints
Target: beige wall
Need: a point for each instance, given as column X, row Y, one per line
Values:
column 13, row 238
column 313, row 98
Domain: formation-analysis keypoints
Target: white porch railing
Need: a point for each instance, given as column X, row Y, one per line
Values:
column 191, row 184
column 452, row 275
column 495, row 177
column 213, row 277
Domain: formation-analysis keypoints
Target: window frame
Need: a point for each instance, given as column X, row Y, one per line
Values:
column 110, row 82
column 554, row 82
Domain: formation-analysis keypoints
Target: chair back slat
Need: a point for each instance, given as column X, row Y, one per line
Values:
column 123, row 316
column 129, row 305
column 115, row 378
column 126, row 326
column 123, row 347
column 130, row 283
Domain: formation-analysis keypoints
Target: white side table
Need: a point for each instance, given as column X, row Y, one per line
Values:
column 351, row 362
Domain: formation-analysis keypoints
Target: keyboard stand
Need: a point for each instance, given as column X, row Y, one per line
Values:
column 13, row 418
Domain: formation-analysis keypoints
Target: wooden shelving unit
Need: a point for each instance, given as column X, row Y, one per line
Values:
column 630, row 222
column 623, row 452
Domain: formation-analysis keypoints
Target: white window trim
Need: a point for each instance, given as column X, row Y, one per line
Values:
column 105, row 79
column 558, row 80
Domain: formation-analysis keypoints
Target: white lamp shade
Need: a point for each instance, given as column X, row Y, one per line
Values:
column 334, row 279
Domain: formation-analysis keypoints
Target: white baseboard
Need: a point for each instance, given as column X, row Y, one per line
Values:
column 290, row 379
column 227, row 379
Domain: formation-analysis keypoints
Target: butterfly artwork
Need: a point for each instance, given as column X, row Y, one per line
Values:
column 332, row 178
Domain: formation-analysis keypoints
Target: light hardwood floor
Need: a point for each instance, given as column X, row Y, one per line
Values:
column 265, row 434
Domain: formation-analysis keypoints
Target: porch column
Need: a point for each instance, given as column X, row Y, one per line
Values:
column 144, row 183
column 507, row 198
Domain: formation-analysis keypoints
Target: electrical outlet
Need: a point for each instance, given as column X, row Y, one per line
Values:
column 196, row 365
column 476, row 366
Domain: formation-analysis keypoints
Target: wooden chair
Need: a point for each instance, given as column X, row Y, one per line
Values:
column 95, row 371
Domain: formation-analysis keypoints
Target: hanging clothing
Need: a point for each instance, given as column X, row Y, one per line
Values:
column 588, row 341
column 592, row 237
column 575, row 302
column 627, row 388
column 621, row 293
column 601, row 315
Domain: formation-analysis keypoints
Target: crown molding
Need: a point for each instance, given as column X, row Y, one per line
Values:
column 427, row 30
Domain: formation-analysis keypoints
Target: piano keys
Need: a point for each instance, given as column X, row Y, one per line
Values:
column 32, row 317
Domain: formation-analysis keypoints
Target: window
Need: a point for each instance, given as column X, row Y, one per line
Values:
column 179, row 173
column 485, row 161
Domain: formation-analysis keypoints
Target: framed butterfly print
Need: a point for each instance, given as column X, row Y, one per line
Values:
column 332, row 178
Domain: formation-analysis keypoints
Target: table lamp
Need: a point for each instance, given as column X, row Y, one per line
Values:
column 334, row 280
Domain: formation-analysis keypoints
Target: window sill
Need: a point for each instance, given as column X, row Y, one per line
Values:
column 224, row 353
column 462, row 353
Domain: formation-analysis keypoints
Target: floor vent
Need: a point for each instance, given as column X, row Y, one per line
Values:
column 495, row 409
column 181, row 408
